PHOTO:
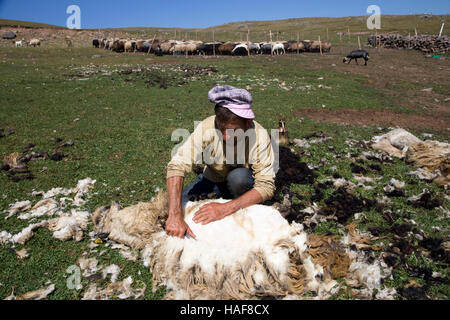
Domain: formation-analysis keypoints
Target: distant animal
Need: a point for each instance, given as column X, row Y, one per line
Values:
column 19, row 43
column 130, row 45
column 209, row 48
column 240, row 49
column 226, row 48
column 294, row 46
column 278, row 48
column 255, row 48
column 158, row 51
column 35, row 42
column 118, row 45
column 283, row 133
column 357, row 54
column 96, row 43
column 266, row 48
column 69, row 42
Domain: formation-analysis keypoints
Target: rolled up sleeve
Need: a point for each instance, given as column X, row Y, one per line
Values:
column 189, row 153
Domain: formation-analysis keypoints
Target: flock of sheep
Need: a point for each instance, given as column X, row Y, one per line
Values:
column 191, row 47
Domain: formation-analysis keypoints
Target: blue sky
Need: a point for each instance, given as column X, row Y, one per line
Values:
column 201, row 13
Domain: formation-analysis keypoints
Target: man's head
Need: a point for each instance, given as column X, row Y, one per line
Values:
column 233, row 108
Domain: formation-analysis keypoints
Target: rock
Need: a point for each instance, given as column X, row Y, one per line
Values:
column 9, row 35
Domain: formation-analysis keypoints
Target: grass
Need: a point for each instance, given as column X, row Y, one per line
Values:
column 121, row 127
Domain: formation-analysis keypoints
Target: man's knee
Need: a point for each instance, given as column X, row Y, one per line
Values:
column 240, row 181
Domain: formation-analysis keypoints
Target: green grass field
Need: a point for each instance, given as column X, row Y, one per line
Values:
column 121, row 126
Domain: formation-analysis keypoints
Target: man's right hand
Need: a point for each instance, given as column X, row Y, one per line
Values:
column 177, row 227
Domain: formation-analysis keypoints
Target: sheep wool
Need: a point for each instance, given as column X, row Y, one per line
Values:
column 254, row 252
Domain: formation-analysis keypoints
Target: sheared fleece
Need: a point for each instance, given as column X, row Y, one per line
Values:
column 259, row 156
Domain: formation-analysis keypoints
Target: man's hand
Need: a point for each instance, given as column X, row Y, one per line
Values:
column 210, row 212
column 177, row 227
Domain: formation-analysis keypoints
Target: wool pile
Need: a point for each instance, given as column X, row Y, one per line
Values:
column 431, row 158
column 253, row 253
column 51, row 213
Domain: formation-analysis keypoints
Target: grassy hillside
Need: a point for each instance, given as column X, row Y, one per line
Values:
column 26, row 24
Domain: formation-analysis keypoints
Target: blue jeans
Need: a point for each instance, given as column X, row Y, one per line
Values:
column 238, row 182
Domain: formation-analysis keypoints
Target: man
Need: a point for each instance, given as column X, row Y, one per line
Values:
column 239, row 161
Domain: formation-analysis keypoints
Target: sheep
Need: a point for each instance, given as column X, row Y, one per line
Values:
column 278, row 259
column 35, row 42
column 326, row 46
column 226, row 48
column 140, row 45
column 209, row 48
column 118, row 45
column 96, row 43
column 129, row 45
column 315, row 46
column 278, row 48
column 183, row 48
column 294, row 46
column 166, row 46
column 266, row 48
column 240, row 49
column 255, row 48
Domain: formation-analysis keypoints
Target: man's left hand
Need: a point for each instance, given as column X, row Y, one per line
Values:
column 210, row 212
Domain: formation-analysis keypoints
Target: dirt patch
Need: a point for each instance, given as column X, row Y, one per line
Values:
column 375, row 118
column 343, row 205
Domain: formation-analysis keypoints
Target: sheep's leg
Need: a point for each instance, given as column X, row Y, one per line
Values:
column 356, row 60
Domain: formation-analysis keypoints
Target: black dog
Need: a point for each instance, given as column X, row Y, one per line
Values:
column 357, row 54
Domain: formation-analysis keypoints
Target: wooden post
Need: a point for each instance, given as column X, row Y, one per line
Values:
column 175, row 35
column 340, row 37
column 327, row 34
column 320, row 45
column 270, row 33
column 148, row 52
column 359, row 43
column 214, row 45
column 442, row 28
column 248, row 43
column 348, row 33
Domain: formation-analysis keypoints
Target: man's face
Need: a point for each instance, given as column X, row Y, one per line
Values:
column 228, row 130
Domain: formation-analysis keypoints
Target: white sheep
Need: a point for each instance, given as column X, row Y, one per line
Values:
column 275, row 259
column 35, row 42
column 277, row 47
